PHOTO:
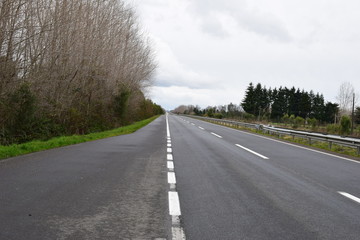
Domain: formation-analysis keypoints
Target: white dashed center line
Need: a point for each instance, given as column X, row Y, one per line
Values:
column 201, row 128
column 348, row 195
column 170, row 165
column 171, row 178
column 174, row 204
column 251, row 151
column 216, row 135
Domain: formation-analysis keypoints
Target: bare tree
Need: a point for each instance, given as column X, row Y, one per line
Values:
column 78, row 56
column 345, row 98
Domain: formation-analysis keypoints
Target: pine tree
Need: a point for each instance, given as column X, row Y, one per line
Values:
column 249, row 102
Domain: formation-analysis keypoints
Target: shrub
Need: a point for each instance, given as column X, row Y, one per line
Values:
column 218, row 115
column 313, row 122
column 249, row 117
column 298, row 121
column 333, row 128
column 345, row 124
column 285, row 118
column 21, row 109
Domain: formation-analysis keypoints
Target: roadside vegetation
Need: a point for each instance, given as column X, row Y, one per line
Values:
column 37, row 145
column 71, row 67
column 289, row 108
column 336, row 148
column 292, row 108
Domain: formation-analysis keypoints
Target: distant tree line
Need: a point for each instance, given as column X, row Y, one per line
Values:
column 289, row 106
column 222, row 111
column 276, row 103
column 71, row 67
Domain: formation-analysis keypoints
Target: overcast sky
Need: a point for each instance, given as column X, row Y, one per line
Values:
column 209, row 51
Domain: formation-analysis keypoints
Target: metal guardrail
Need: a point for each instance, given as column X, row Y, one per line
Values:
column 331, row 139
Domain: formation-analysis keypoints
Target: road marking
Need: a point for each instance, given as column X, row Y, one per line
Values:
column 356, row 199
column 257, row 154
column 171, row 178
column 216, row 135
column 201, row 128
column 193, row 124
column 170, row 165
column 174, row 204
column 167, row 126
column 290, row 144
column 178, row 233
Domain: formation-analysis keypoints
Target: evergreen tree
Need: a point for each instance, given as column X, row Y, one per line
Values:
column 318, row 107
column 249, row 102
column 330, row 112
column 305, row 105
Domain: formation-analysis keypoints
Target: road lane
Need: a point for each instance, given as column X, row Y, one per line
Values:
column 228, row 193
column 114, row 188
column 329, row 171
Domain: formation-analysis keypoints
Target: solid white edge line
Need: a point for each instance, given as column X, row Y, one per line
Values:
column 169, row 157
column 290, row 144
column 174, row 204
column 171, row 178
column 216, row 135
column 348, row 195
column 253, row 152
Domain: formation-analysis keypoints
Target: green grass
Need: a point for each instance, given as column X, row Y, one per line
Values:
column 35, row 146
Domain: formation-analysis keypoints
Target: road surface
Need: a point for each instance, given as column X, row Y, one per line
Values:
column 180, row 177
column 115, row 188
column 236, row 185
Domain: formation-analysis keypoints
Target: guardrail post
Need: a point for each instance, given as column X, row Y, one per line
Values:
column 309, row 141
column 358, row 148
column 330, row 145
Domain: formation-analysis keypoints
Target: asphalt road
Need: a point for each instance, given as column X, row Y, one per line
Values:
column 207, row 181
column 114, row 188
column 273, row 191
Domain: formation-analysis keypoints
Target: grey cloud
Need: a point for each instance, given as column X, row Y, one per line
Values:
column 266, row 25
column 213, row 26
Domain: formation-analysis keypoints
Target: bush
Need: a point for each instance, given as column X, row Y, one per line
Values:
column 218, row 115
column 333, row 128
column 357, row 131
column 345, row 124
column 285, row 118
column 312, row 122
column 21, row 118
column 249, row 117
column 298, row 121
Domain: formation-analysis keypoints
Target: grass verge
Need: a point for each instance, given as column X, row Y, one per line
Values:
column 35, row 146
